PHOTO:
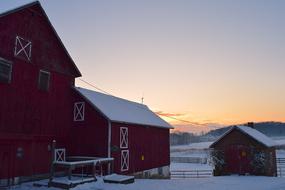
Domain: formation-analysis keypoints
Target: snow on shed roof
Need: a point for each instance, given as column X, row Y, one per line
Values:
column 255, row 134
column 121, row 110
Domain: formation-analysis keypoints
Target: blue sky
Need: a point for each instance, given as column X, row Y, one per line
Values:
column 209, row 62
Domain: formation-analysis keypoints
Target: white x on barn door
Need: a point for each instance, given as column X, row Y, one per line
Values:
column 123, row 137
column 124, row 160
column 124, row 141
column 59, row 155
column 23, row 48
column 78, row 112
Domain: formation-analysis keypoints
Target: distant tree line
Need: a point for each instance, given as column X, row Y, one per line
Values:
column 180, row 138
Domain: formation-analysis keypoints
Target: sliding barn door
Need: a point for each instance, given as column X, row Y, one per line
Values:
column 124, row 142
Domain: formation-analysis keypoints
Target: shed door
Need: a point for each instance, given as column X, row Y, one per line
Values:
column 238, row 159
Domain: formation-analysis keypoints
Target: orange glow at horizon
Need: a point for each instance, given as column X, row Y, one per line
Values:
column 205, row 126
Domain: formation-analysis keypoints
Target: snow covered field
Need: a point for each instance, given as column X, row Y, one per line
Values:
column 212, row 183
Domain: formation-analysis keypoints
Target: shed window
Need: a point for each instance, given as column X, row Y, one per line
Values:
column 78, row 112
column 5, row 72
column 44, row 78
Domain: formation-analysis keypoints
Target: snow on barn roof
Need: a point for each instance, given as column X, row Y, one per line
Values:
column 121, row 110
column 255, row 134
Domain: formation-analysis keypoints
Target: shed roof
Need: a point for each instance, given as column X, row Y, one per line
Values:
column 121, row 110
column 253, row 133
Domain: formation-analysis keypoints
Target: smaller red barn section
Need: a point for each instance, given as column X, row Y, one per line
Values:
column 245, row 151
column 108, row 126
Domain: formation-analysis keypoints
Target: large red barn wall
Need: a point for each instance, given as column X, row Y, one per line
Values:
column 150, row 142
column 30, row 118
column 89, row 137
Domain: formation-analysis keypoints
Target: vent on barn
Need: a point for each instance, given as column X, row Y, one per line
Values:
column 23, row 48
column 5, row 72
column 123, row 137
column 44, row 78
column 78, row 112
column 124, row 160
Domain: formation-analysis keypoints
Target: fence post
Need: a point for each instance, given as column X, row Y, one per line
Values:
column 53, row 146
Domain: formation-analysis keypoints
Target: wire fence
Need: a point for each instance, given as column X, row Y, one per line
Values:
column 280, row 162
column 181, row 174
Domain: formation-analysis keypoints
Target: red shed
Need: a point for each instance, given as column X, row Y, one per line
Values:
column 244, row 150
column 129, row 132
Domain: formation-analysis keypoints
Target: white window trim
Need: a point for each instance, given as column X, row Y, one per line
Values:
column 124, row 137
column 79, row 112
column 23, row 47
column 125, row 159
column 46, row 72
column 11, row 69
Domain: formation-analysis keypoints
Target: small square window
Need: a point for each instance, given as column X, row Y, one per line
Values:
column 5, row 72
column 44, row 78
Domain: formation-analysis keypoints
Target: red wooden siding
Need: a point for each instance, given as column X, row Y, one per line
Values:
column 32, row 25
column 152, row 143
column 29, row 118
column 89, row 137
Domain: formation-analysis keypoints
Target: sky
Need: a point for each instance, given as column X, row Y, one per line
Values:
column 207, row 63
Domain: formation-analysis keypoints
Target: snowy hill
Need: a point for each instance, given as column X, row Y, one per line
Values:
column 271, row 129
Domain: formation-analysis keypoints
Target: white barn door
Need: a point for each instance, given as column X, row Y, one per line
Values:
column 124, row 146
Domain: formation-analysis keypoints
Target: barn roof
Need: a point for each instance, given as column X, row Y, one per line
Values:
column 121, row 110
column 253, row 133
column 37, row 3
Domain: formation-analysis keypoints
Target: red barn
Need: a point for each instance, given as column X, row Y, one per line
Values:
column 129, row 132
column 39, row 103
column 244, row 150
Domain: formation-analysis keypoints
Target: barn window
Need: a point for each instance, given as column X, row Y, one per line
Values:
column 124, row 160
column 78, row 112
column 23, row 48
column 44, row 78
column 5, row 72
column 123, row 137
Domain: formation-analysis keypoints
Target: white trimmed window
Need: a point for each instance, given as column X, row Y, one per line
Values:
column 23, row 48
column 124, row 137
column 124, row 160
column 5, row 72
column 78, row 112
column 44, row 78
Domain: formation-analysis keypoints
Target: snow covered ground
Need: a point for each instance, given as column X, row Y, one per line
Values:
column 212, row 183
column 194, row 150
